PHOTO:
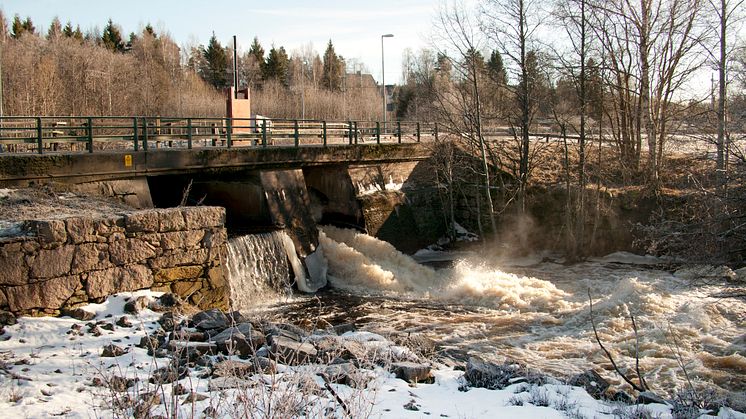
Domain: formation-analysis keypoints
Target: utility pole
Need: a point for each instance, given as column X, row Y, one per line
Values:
column 383, row 79
column 1, row 79
column 235, row 69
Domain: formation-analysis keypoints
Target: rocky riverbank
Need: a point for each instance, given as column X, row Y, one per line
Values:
column 150, row 355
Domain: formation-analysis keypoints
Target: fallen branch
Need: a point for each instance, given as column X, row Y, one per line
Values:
column 328, row 386
column 643, row 385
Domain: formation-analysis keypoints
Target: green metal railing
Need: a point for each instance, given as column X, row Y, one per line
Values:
column 138, row 133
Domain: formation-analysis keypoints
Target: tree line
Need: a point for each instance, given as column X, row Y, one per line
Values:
column 593, row 72
column 66, row 71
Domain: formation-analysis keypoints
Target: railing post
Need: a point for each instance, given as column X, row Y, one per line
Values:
column 349, row 131
column 145, row 134
column 264, row 132
column 436, row 131
column 228, row 129
column 378, row 132
column 189, row 133
column 90, row 134
column 355, row 132
column 135, row 140
column 39, row 135
column 295, row 132
column 398, row 130
column 418, row 132
column 323, row 129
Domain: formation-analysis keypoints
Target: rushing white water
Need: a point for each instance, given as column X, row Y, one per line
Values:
column 259, row 268
column 540, row 314
column 359, row 261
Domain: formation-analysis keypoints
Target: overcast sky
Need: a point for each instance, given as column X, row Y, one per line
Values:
column 354, row 26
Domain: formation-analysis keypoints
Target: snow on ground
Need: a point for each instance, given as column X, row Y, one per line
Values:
column 60, row 366
column 54, row 370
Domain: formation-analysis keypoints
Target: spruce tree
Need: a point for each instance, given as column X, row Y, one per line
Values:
column 215, row 65
column 28, row 26
column 55, row 29
column 150, row 31
column 277, row 66
column 331, row 77
column 68, row 30
column 112, row 38
column 257, row 52
column 78, row 34
column 17, row 28
column 496, row 69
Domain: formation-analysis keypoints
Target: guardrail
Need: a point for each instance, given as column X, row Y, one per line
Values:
column 93, row 133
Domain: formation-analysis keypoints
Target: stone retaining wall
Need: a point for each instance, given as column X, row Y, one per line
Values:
column 61, row 264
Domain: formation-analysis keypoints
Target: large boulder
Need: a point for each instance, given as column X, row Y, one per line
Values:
column 593, row 383
column 411, row 372
column 648, row 397
column 7, row 318
column 210, row 320
column 291, row 352
column 490, row 375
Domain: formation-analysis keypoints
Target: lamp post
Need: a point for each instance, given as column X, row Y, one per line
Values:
column 383, row 79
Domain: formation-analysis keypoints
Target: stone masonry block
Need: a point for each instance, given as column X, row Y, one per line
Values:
column 203, row 217
column 171, row 220
column 141, row 221
column 181, row 239
column 91, row 257
column 211, row 298
column 49, row 294
column 216, row 276
column 52, row 263
column 13, row 269
column 215, row 237
column 178, row 273
column 80, row 230
column 106, row 226
column 49, row 231
column 128, row 251
column 114, row 280
column 179, row 257
column 185, row 289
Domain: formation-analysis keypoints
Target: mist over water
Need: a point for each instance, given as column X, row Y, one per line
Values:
column 540, row 314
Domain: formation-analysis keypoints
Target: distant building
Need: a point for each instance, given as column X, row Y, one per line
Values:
column 360, row 80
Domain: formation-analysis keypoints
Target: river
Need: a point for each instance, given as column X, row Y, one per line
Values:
column 691, row 327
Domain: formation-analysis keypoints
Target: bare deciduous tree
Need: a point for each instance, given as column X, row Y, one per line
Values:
column 512, row 26
column 460, row 41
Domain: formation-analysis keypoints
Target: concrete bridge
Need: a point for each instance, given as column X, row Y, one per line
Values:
column 262, row 188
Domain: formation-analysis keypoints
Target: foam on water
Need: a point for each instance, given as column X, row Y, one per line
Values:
column 540, row 314
column 358, row 261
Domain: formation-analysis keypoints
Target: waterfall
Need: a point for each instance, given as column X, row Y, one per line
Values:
column 259, row 268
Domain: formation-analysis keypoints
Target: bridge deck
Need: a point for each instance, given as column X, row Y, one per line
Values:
column 22, row 169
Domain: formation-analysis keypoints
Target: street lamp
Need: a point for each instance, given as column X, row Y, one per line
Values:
column 383, row 79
